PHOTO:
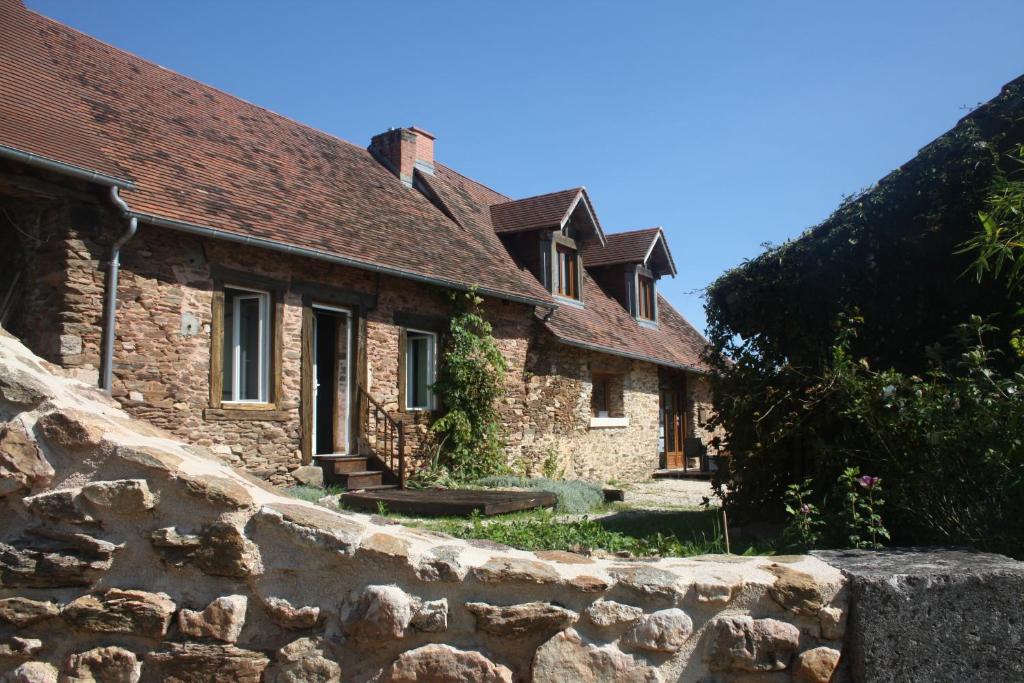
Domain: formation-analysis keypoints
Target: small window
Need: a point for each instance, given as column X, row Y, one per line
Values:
column 567, row 276
column 246, row 346
column 606, row 397
column 645, row 296
column 419, row 370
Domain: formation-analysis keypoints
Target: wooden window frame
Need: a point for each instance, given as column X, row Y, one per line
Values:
column 646, row 308
column 571, row 274
column 404, row 378
column 219, row 409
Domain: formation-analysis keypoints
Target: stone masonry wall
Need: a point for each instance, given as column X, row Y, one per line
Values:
column 128, row 556
column 162, row 350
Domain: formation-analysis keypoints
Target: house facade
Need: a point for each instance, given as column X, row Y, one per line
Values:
column 281, row 296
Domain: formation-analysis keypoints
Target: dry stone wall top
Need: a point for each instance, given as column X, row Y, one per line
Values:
column 126, row 555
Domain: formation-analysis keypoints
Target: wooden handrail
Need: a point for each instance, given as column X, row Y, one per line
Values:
column 388, row 434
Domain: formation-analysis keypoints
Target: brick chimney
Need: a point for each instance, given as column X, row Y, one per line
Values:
column 404, row 149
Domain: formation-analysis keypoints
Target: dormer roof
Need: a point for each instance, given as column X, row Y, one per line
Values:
column 647, row 247
column 550, row 211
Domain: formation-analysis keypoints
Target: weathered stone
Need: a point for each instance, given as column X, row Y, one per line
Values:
column 932, row 615
column 539, row 618
column 816, row 665
column 563, row 557
column 588, row 584
column 103, row 665
column 309, row 475
column 663, row 631
column 567, row 657
column 608, row 613
column 23, row 612
column 648, row 581
column 22, row 465
column 49, row 561
column 21, row 388
column 222, row 619
column 304, row 661
column 217, row 490
column 203, row 663
column 286, row 616
column 439, row 663
column 72, row 429
column 833, row 623
column 377, row 613
column 20, row 648
column 33, row 672
column 515, row 569
column 225, row 551
column 431, row 616
column 149, row 457
column 795, row 590
column 169, row 537
column 122, row 611
column 314, row 527
column 125, row 496
column 386, row 545
column 63, row 505
column 441, row 563
column 716, row 592
column 741, row 643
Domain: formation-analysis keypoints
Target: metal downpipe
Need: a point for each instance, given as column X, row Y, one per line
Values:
column 110, row 310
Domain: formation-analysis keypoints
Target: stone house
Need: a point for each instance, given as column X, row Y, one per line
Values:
column 279, row 295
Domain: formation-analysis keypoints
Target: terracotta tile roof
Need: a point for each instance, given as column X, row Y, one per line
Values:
column 543, row 211
column 604, row 324
column 28, row 87
column 202, row 157
column 620, row 247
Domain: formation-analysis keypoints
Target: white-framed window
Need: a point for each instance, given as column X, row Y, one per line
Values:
column 246, row 345
column 420, row 368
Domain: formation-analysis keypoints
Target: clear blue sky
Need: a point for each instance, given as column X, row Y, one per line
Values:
column 728, row 123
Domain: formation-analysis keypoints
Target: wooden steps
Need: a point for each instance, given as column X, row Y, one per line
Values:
column 351, row 472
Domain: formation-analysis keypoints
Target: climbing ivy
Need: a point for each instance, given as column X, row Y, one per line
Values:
column 469, row 381
column 812, row 337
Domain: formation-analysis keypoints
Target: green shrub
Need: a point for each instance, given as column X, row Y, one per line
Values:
column 574, row 496
column 469, row 381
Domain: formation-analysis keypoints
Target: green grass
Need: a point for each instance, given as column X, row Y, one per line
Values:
column 641, row 533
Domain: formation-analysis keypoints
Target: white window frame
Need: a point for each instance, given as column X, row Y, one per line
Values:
column 263, row 297
column 431, row 371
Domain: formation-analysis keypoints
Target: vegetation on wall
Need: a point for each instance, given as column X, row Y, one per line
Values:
column 469, row 382
column 872, row 343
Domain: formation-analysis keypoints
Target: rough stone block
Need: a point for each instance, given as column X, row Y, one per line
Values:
column 932, row 615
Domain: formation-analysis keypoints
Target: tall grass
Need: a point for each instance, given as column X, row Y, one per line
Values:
column 574, row 496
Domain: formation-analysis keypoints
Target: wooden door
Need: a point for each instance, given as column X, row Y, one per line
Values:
column 675, row 428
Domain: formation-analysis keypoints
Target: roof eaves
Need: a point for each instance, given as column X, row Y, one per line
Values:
column 671, row 261
column 581, row 195
column 282, row 247
column 64, row 168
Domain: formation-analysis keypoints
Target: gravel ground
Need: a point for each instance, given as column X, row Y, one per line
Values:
column 660, row 494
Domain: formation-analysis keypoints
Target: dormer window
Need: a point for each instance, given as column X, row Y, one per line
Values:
column 645, row 308
column 567, row 272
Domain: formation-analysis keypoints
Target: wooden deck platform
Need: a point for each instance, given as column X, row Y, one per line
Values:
column 449, row 502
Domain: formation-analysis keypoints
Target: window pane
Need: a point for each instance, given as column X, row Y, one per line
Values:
column 249, row 349
column 419, row 369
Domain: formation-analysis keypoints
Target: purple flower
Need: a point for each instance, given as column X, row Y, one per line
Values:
column 805, row 508
column 868, row 482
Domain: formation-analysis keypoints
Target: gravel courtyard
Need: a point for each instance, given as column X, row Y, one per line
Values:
column 662, row 494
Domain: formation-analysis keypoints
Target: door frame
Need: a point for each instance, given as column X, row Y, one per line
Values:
column 343, row 320
column 307, row 406
column 674, row 421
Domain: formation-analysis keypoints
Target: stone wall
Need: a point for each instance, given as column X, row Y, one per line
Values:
column 162, row 348
column 128, row 556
